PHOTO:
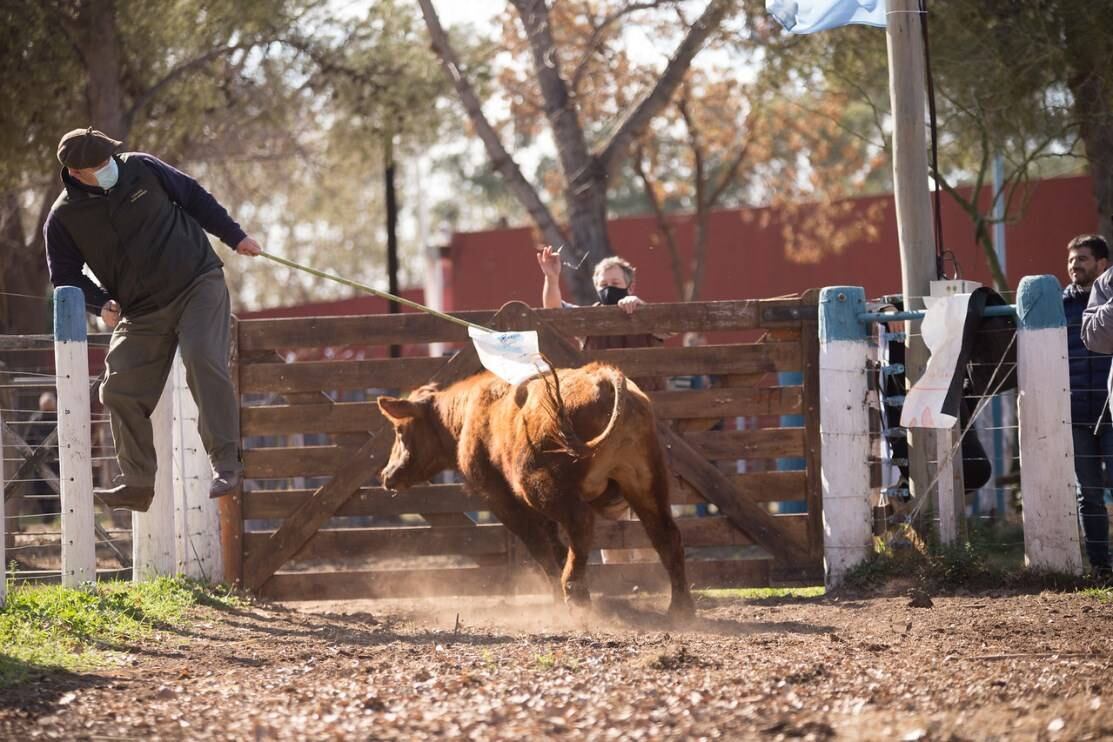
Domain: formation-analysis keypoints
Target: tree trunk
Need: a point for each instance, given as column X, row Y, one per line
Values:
column 1091, row 84
column 96, row 40
column 98, row 43
column 24, row 305
column 587, row 218
column 1096, row 126
column 391, row 232
column 585, row 173
column 585, row 190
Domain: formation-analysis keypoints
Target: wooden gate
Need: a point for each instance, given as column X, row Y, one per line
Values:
column 311, row 523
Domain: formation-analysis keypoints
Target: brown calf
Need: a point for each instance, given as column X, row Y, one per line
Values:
column 544, row 455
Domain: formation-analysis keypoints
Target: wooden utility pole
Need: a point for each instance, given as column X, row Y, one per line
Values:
column 907, row 86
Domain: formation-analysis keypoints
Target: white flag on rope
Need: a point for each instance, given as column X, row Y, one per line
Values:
column 809, row 16
column 511, row 356
column 934, row 396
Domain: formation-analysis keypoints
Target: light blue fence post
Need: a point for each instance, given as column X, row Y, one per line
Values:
column 1050, row 509
column 75, row 477
column 844, row 431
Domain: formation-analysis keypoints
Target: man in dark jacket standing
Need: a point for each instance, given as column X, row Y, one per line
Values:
column 1087, row 259
column 140, row 225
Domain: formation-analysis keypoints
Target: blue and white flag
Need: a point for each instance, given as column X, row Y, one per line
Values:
column 809, row 16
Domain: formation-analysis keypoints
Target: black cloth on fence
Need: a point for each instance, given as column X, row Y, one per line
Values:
column 986, row 366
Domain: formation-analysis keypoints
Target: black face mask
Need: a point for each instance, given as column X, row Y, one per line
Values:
column 612, row 294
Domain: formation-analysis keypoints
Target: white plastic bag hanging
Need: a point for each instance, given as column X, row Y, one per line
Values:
column 942, row 328
column 511, row 356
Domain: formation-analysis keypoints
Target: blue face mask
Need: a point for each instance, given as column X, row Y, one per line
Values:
column 108, row 175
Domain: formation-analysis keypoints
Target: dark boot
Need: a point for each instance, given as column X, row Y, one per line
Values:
column 224, row 483
column 126, row 497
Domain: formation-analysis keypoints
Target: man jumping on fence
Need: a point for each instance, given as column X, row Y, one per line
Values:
column 139, row 224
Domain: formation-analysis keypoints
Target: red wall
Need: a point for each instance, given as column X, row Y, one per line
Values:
column 747, row 260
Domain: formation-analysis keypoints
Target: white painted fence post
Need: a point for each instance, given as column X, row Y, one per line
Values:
column 3, row 522
column 196, row 516
column 180, row 534
column 71, row 363
column 1050, row 509
column 153, row 531
column 844, row 431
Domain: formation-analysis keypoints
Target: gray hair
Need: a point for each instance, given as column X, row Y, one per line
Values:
column 613, row 262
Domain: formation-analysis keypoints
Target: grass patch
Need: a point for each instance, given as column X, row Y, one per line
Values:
column 50, row 627
column 991, row 558
column 1101, row 594
column 762, row 593
column 555, row 660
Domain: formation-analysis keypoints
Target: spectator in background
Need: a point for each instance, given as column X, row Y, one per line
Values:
column 614, row 280
column 1087, row 259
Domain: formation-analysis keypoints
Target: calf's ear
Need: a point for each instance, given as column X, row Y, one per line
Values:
column 396, row 409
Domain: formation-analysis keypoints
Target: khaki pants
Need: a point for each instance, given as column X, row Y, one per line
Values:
column 139, row 360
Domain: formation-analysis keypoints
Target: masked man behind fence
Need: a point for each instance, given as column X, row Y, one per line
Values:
column 139, row 225
column 614, row 280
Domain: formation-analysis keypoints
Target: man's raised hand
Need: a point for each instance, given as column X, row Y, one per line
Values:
column 549, row 260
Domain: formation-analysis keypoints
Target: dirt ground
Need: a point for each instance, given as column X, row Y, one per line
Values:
column 984, row 666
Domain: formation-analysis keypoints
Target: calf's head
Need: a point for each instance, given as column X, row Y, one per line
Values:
column 420, row 449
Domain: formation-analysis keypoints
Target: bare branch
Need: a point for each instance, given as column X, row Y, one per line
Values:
column 180, row 70
column 575, row 158
column 500, row 158
column 635, row 123
column 597, row 33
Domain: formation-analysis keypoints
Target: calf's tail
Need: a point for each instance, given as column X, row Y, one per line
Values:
column 567, row 440
column 618, row 381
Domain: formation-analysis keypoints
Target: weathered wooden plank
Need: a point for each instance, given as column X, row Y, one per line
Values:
column 368, row 501
column 321, row 417
column 712, row 530
column 795, row 526
column 384, row 373
column 311, row 332
column 767, row 443
column 337, row 544
column 361, row 416
column 703, row 359
column 453, row 498
column 709, row 316
column 749, row 517
column 809, row 348
column 728, row 402
column 772, row 486
column 303, row 461
column 332, row 544
column 362, row 330
column 46, row 342
column 614, row 579
column 231, row 505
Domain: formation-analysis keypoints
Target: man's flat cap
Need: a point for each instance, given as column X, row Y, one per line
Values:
column 82, row 148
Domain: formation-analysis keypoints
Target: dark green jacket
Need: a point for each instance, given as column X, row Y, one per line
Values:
column 143, row 239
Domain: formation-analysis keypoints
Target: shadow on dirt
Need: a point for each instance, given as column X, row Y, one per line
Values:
column 630, row 616
column 40, row 687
